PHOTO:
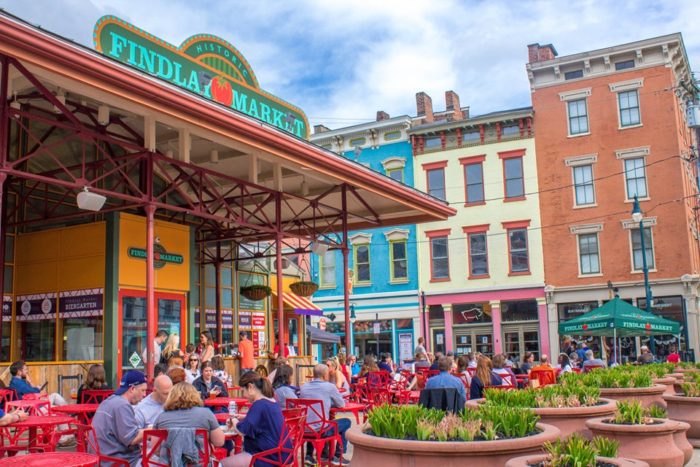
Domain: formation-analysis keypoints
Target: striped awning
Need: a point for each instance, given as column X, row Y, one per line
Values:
column 300, row 305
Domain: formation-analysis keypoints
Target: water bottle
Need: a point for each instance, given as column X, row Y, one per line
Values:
column 232, row 409
column 230, row 382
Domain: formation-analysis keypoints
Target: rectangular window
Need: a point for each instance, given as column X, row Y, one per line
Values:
column 471, row 137
column 624, row 65
column 637, row 259
column 396, row 174
column 635, row 178
column 439, row 258
column 327, row 267
column 583, row 185
column 517, row 248
column 578, row 116
column 399, row 264
column 433, row 143
column 513, row 172
column 478, row 254
column 573, row 74
column 362, row 273
column 629, row 108
column 474, row 177
column 436, row 183
column 589, row 258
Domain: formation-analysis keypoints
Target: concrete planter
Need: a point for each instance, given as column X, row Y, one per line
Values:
column 681, row 439
column 369, row 450
column 667, row 381
column 525, row 461
column 686, row 409
column 569, row 420
column 648, row 396
column 652, row 443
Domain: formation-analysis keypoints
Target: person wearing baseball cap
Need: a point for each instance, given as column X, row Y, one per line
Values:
column 117, row 431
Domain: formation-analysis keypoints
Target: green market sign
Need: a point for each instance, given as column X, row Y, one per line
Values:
column 204, row 64
column 161, row 257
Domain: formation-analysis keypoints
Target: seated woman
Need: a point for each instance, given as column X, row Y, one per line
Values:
column 192, row 368
column 262, row 425
column 483, row 378
column 95, row 380
column 209, row 385
column 564, row 363
column 283, row 385
column 369, row 365
column 462, row 365
column 335, row 376
column 184, row 409
column 499, row 368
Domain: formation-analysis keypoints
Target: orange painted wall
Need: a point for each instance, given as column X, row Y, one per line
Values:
column 666, row 180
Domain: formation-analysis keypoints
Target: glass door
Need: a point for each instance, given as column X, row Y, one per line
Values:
column 132, row 328
column 518, row 339
column 474, row 339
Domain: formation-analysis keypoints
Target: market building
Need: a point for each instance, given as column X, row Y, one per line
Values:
column 383, row 261
column 142, row 182
column 481, row 270
column 616, row 129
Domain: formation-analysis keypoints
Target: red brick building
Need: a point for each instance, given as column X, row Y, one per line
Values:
column 611, row 125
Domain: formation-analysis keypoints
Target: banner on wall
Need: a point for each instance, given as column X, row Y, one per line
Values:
column 227, row 319
column 36, row 307
column 7, row 308
column 81, row 303
column 244, row 320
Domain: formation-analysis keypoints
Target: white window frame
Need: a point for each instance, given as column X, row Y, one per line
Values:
column 575, row 186
column 622, row 126
column 634, row 153
column 393, row 164
column 576, row 95
column 625, row 86
column 322, row 265
column 578, row 251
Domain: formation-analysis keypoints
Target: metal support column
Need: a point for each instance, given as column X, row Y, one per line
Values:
column 346, row 273
column 280, row 286
column 151, row 309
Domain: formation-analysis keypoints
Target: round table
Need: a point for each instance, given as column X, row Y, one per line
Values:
column 32, row 406
column 83, row 412
column 64, row 459
column 351, row 407
column 241, row 402
column 13, row 432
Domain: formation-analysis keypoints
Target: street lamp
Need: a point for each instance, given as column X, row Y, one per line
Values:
column 638, row 216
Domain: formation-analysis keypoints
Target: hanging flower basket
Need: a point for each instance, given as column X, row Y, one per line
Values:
column 304, row 288
column 256, row 292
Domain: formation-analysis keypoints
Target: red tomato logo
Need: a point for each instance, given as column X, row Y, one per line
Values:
column 221, row 91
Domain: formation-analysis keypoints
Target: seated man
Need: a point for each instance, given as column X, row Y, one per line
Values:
column 152, row 405
column 319, row 388
column 445, row 380
column 646, row 356
column 117, row 431
column 591, row 362
column 22, row 385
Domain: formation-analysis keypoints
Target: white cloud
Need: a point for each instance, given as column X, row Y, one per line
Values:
column 343, row 61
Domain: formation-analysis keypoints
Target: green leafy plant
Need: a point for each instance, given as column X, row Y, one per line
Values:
column 605, row 447
column 690, row 389
column 577, row 451
column 656, row 411
column 549, row 396
column 630, row 413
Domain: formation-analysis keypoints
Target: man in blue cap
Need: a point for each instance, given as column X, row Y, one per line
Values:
column 116, row 428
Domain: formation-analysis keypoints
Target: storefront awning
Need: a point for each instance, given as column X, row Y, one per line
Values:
column 300, row 305
column 320, row 336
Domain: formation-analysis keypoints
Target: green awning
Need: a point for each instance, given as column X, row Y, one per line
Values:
column 617, row 317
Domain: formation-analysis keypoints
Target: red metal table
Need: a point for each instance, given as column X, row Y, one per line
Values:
column 241, row 402
column 43, row 459
column 352, row 407
column 31, row 406
column 47, row 424
column 83, row 412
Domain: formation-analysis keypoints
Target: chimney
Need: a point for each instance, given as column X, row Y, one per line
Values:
column 541, row 53
column 424, row 107
column 321, row 129
column 381, row 115
column 452, row 104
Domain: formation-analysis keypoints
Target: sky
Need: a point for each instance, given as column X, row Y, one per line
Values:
column 342, row 61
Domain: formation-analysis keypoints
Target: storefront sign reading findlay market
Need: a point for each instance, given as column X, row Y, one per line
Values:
column 204, row 64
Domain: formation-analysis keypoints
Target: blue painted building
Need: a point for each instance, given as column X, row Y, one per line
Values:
column 383, row 262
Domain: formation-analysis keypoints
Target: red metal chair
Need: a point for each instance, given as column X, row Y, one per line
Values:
column 544, row 377
column 291, row 440
column 6, row 394
column 153, row 445
column 587, row 368
column 87, row 442
column 319, row 432
column 94, row 396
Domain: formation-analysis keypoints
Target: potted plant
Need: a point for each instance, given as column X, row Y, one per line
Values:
column 662, row 373
column 256, row 292
column 624, row 383
column 565, row 406
column 640, row 436
column 304, row 288
column 685, row 407
column 577, row 451
column 679, row 436
column 396, row 436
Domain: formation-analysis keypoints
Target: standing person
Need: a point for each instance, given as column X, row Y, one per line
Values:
column 420, row 348
column 319, row 388
column 276, row 349
column 261, row 426
column 22, row 385
column 152, row 405
column 206, row 347
column 95, row 380
column 246, row 352
column 209, row 385
column 117, row 431
column 483, row 378
column 161, row 336
column 172, row 347
column 192, row 369
column 282, row 384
